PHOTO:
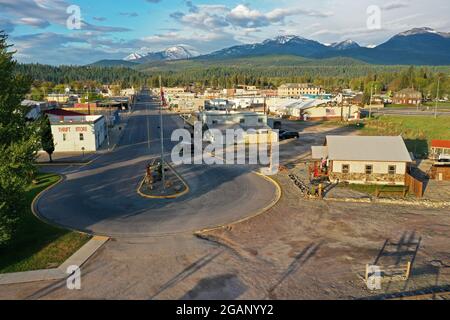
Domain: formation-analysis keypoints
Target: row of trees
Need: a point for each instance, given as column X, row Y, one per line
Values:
column 20, row 140
column 361, row 77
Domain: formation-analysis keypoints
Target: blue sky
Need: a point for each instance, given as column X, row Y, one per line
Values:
column 114, row 29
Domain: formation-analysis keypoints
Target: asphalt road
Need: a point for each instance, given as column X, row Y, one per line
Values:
column 101, row 198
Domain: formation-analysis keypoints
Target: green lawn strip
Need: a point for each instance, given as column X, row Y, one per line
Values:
column 372, row 189
column 417, row 131
column 36, row 244
column 430, row 105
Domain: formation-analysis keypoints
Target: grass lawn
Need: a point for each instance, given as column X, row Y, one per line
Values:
column 38, row 245
column 371, row 189
column 431, row 105
column 417, row 131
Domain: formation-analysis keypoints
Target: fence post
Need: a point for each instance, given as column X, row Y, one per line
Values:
column 367, row 273
column 408, row 270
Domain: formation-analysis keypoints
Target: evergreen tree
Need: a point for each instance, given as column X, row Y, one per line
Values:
column 18, row 144
column 47, row 142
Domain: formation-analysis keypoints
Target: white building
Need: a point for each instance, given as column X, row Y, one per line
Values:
column 247, row 102
column 365, row 160
column 254, row 124
column 78, row 133
column 218, row 104
column 35, row 108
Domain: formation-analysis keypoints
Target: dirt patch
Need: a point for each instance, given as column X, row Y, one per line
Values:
column 314, row 249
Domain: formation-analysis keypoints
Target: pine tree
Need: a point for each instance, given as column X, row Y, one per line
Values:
column 18, row 144
column 47, row 142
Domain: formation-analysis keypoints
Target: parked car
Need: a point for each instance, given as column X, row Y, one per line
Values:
column 289, row 135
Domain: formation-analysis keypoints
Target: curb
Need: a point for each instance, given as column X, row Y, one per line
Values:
column 78, row 259
column 428, row 204
column 65, row 164
column 258, row 213
column 173, row 196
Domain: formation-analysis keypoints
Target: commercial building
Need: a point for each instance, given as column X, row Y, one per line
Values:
column 218, row 104
column 35, row 108
column 440, row 149
column 364, row 160
column 299, row 89
column 316, row 109
column 62, row 97
column 408, row 97
column 77, row 133
column 253, row 124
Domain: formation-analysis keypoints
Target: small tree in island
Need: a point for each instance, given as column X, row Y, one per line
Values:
column 47, row 142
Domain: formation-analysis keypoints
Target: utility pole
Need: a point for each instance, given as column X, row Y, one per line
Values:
column 370, row 103
column 163, row 174
column 437, row 99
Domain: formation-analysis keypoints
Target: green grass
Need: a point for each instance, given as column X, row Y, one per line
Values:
column 431, row 105
column 417, row 131
column 36, row 244
column 371, row 189
column 441, row 105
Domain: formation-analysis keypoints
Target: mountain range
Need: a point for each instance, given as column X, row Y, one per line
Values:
column 179, row 52
column 419, row 46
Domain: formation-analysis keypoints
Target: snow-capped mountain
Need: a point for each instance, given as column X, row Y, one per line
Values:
column 179, row 53
column 422, row 31
column 173, row 53
column 292, row 45
column 134, row 56
column 345, row 45
column 418, row 46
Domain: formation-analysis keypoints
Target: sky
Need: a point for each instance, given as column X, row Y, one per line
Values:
column 52, row 31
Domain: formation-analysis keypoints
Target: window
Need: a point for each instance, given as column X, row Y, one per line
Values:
column 64, row 137
column 242, row 121
column 345, row 168
column 214, row 122
column 369, row 169
column 81, row 136
column 260, row 120
column 392, row 170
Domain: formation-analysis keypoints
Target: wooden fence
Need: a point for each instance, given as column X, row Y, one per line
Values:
column 392, row 273
column 415, row 185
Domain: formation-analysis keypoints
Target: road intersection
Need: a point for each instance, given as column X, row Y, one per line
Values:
column 101, row 198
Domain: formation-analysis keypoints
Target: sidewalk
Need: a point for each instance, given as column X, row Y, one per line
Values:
column 78, row 259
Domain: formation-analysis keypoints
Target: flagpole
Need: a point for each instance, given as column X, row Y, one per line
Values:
column 163, row 174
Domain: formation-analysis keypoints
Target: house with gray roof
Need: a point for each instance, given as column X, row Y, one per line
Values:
column 379, row 160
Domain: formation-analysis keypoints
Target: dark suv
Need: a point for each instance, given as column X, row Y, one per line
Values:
column 289, row 135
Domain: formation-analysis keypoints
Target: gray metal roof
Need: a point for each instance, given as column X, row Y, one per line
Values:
column 375, row 148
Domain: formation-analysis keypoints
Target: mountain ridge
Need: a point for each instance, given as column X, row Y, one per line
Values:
column 418, row 46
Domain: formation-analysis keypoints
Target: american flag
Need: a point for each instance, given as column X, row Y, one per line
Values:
column 163, row 98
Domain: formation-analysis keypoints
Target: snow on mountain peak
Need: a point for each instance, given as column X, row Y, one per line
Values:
column 173, row 53
column 347, row 44
column 417, row 31
column 179, row 52
column 134, row 56
column 425, row 30
column 283, row 39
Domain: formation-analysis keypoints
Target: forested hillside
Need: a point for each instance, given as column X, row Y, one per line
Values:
column 267, row 71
